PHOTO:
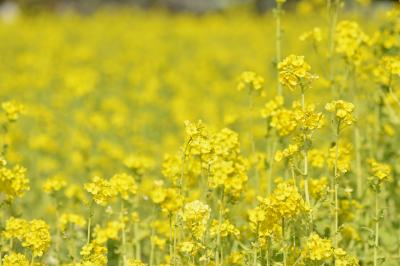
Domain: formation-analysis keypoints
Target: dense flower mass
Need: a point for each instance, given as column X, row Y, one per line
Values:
column 226, row 138
column 34, row 234
column 250, row 81
column 294, row 72
column 13, row 181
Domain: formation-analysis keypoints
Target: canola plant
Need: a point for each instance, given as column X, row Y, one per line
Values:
column 138, row 138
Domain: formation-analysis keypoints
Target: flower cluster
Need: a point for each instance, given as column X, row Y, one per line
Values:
column 343, row 112
column 15, row 259
column 284, row 204
column 94, row 253
column 250, row 81
column 102, row 190
column 54, row 184
column 294, row 72
column 13, row 181
column 34, row 234
column 380, row 172
column 349, row 38
column 67, row 219
column 169, row 199
column 12, row 110
column 195, row 216
column 317, row 248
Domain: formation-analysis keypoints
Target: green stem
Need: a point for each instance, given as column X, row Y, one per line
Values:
column 89, row 222
column 305, row 152
column 336, row 188
column 218, row 254
column 278, row 29
column 171, row 251
column 333, row 9
column 123, row 247
column 252, row 141
column 284, row 243
column 151, row 248
column 58, row 235
column 5, row 144
column 376, row 244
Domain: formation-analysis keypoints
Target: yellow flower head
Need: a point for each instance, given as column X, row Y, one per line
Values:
column 102, row 190
column 195, row 216
column 13, row 182
column 13, row 110
column 124, row 184
column 380, row 172
column 315, row 35
column 250, row 81
column 343, row 112
column 317, row 248
column 71, row 218
column 348, row 38
column 54, row 184
column 294, row 72
column 94, row 253
column 14, row 259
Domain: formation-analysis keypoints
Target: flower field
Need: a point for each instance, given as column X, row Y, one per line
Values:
column 132, row 137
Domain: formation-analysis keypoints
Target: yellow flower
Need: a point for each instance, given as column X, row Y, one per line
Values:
column 13, row 110
column 195, row 216
column 135, row 262
column 381, row 172
column 317, row 187
column 317, row 248
column 316, row 158
column 283, row 120
column 15, row 259
column 70, row 218
column 158, row 242
column 388, row 68
column 344, row 157
column 13, row 182
column 38, row 237
column 250, row 81
column 102, row 190
column 124, row 184
column 16, row 228
column 190, row 248
column 225, row 229
column 315, row 35
column 349, row 38
column 110, row 231
column 54, row 184
column 272, row 106
column 33, row 234
column 168, row 198
column 236, row 258
column 343, row 112
column 344, row 259
column 306, row 117
column 94, row 253
column 290, row 151
column 294, row 72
